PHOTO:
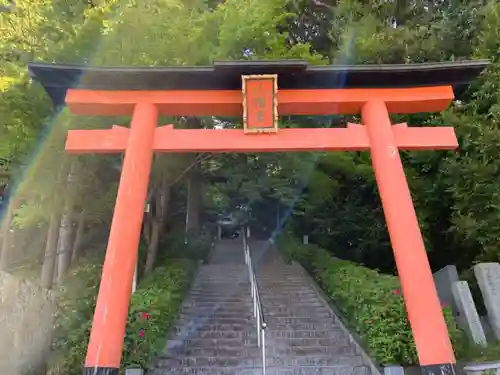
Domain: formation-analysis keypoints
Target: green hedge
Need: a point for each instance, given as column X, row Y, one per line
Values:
column 153, row 308
column 370, row 301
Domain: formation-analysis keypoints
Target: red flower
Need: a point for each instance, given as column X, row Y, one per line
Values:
column 145, row 315
column 141, row 333
column 397, row 292
column 444, row 305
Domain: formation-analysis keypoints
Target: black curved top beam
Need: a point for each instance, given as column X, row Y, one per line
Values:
column 226, row 75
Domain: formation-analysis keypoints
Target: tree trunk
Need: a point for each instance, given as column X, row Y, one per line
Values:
column 153, row 246
column 6, row 235
column 5, row 256
column 64, row 248
column 80, row 228
column 49, row 260
column 157, row 220
column 64, row 244
column 194, row 200
column 146, row 228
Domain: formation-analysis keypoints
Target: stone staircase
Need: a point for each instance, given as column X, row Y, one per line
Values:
column 216, row 334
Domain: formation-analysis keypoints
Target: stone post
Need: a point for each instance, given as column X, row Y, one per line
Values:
column 488, row 279
column 469, row 317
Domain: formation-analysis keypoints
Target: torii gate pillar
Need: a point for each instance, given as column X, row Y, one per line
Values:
column 110, row 316
column 422, row 303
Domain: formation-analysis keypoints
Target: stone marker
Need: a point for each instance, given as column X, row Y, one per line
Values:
column 491, row 368
column 488, row 279
column 305, row 239
column 394, row 370
column 469, row 318
column 444, row 279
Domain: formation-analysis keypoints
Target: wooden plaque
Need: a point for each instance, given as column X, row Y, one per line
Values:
column 260, row 104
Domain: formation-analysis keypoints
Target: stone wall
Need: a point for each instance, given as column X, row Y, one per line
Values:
column 26, row 320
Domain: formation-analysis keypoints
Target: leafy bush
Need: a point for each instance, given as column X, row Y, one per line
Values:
column 197, row 248
column 474, row 353
column 370, row 301
column 76, row 299
column 153, row 307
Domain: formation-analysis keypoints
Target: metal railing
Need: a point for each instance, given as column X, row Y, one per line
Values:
column 258, row 312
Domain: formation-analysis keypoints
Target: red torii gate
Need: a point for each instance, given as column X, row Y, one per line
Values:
column 251, row 89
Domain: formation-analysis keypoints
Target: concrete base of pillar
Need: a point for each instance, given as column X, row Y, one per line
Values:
column 439, row 369
column 100, row 371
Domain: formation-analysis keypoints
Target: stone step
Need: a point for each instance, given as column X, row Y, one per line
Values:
column 312, row 313
column 300, row 326
column 286, row 281
column 290, row 303
column 296, row 320
column 217, row 310
column 229, row 296
column 222, row 276
column 215, row 343
column 256, row 362
column 293, row 293
column 205, row 309
column 295, row 370
column 279, row 278
column 221, row 292
column 240, row 335
column 208, row 306
column 278, row 343
column 207, row 285
column 225, row 266
column 311, row 342
column 284, row 284
column 222, row 281
column 240, row 351
column 207, row 326
column 280, row 273
column 228, row 290
column 276, row 272
column 247, row 351
column 295, row 309
column 215, row 319
column 245, row 297
column 326, row 333
column 210, row 327
column 216, row 332
column 221, row 299
column 287, row 291
column 277, row 299
column 250, row 332
column 229, row 267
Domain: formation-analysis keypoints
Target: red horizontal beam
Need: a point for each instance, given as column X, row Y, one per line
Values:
column 168, row 139
column 229, row 102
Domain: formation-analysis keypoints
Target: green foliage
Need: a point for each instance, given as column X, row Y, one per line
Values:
column 477, row 354
column 370, row 301
column 198, row 246
column 159, row 295
column 76, row 300
column 153, row 309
